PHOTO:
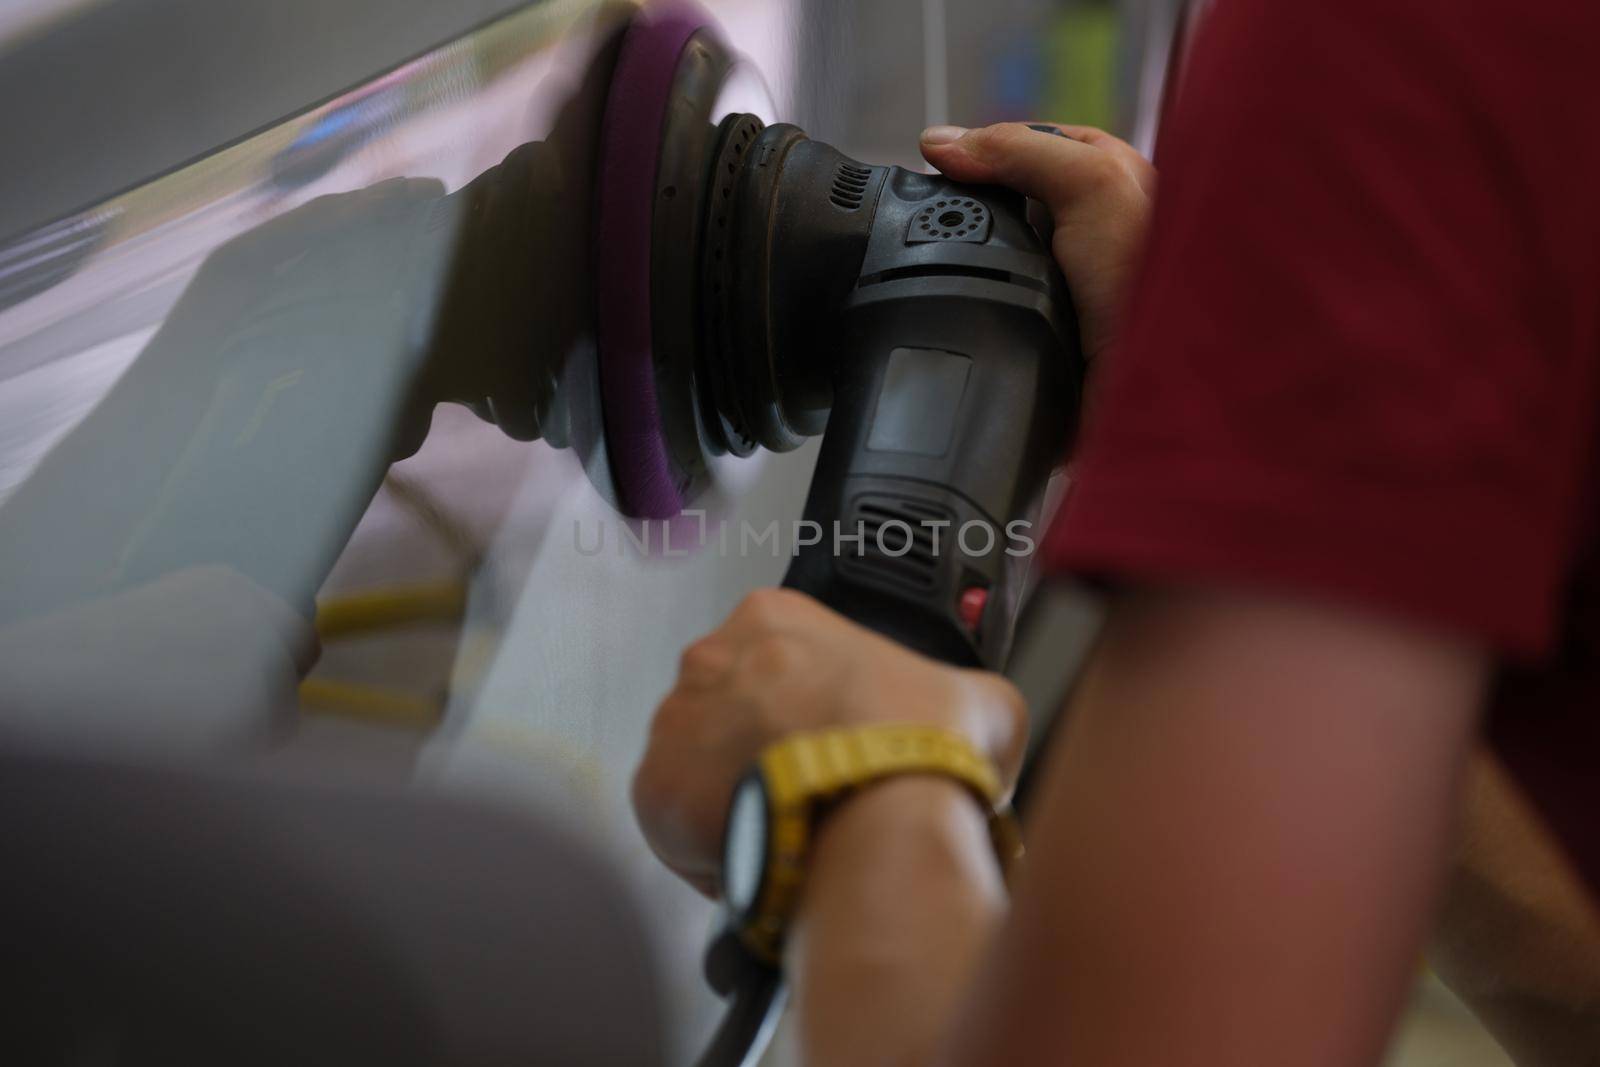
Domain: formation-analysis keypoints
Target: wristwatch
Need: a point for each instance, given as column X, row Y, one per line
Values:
column 776, row 806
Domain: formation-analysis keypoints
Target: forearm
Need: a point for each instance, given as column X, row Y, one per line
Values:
column 1236, row 843
column 1518, row 938
column 903, row 897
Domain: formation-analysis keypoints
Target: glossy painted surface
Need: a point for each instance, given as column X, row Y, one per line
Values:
column 204, row 549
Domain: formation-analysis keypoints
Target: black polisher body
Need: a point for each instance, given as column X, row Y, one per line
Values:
column 923, row 328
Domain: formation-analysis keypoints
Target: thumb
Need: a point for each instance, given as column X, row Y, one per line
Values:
column 1000, row 723
column 1052, row 169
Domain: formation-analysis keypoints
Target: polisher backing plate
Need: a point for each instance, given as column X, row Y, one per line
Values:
column 630, row 140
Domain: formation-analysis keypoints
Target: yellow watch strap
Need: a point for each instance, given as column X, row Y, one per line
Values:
column 819, row 766
column 803, row 771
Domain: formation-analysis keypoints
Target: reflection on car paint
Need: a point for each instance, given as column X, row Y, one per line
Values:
column 223, row 365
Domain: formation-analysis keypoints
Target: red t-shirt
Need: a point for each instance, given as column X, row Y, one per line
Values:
column 1362, row 359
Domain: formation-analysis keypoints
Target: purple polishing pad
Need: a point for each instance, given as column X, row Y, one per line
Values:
column 630, row 140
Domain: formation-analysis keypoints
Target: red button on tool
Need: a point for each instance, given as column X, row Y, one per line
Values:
column 973, row 601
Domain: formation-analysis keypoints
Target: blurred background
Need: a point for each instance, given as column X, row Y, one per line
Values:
column 465, row 643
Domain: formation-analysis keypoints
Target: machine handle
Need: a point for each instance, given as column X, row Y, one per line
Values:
column 951, row 405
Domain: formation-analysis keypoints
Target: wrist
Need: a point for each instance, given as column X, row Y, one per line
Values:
column 922, row 828
column 903, row 795
column 901, row 903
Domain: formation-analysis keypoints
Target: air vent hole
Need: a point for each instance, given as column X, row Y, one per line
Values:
column 952, row 219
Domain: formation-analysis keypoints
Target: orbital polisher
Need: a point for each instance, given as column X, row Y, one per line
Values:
column 755, row 288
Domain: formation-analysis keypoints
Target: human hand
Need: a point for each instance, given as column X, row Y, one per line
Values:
column 783, row 663
column 1099, row 191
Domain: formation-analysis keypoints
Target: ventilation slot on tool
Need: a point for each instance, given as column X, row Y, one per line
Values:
column 718, row 268
column 945, row 270
column 849, row 186
column 950, row 218
column 895, row 543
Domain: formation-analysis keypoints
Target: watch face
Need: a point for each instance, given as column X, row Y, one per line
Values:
column 744, row 846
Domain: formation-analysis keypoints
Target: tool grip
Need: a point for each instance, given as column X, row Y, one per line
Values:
column 951, row 405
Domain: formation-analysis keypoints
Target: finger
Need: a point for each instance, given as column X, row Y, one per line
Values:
column 1054, row 170
column 768, row 609
column 669, row 832
column 706, row 662
column 1089, row 135
column 1140, row 167
column 1003, row 718
column 769, row 658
